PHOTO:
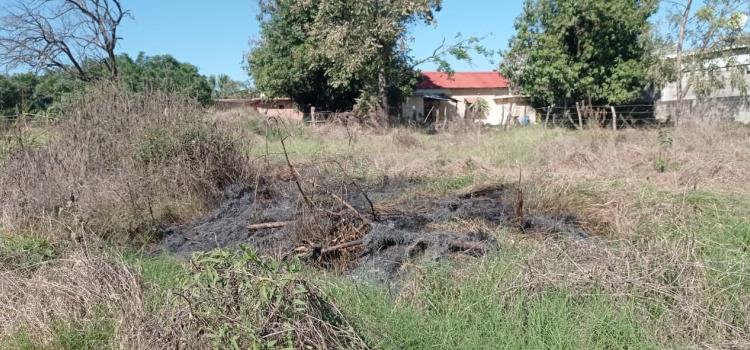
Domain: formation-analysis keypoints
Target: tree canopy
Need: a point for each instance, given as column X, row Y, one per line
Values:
column 164, row 73
column 286, row 61
column 223, row 86
column 581, row 50
column 331, row 53
column 33, row 93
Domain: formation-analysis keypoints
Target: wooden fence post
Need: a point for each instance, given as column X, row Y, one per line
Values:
column 614, row 118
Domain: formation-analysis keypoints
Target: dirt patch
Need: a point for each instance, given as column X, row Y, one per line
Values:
column 377, row 244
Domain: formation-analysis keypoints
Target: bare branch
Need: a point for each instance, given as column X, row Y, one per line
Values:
column 65, row 34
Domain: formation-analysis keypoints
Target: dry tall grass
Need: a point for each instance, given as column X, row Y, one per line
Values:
column 120, row 164
column 79, row 289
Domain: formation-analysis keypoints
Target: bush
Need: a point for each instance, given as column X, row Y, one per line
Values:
column 238, row 300
column 121, row 164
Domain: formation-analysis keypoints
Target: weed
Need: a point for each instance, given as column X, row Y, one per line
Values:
column 95, row 335
column 238, row 300
column 26, row 251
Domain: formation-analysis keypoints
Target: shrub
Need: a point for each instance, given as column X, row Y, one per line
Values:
column 121, row 164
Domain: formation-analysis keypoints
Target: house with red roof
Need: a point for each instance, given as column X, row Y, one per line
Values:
column 442, row 97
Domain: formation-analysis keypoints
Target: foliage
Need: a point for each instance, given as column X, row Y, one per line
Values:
column 239, row 300
column 26, row 251
column 334, row 54
column 367, row 39
column 67, row 336
column 31, row 93
column 480, row 108
column 164, row 73
column 50, row 91
column 666, row 140
column 286, row 62
column 590, row 50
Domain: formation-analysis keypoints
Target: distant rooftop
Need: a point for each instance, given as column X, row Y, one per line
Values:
column 462, row 80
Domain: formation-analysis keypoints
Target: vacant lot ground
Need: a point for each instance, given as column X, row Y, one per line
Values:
column 524, row 239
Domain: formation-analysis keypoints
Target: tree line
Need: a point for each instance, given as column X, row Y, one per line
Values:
column 338, row 55
column 67, row 44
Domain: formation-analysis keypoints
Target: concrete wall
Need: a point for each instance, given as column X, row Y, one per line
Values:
column 727, row 102
column 737, row 108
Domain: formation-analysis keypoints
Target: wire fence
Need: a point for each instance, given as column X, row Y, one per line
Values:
column 580, row 115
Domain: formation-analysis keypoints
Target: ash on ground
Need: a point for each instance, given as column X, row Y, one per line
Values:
column 398, row 232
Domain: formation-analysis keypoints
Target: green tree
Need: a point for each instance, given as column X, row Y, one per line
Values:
column 366, row 40
column 9, row 96
column 286, row 61
column 334, row 54
column 581, row 50
column 164, row 73
column 32, row 93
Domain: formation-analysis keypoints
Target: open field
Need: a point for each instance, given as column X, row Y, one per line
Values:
column 665, row 263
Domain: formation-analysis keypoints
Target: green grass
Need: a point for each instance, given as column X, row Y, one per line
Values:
column 160, row 274
column 482, row 309
column 24, row 251
column 95, row 335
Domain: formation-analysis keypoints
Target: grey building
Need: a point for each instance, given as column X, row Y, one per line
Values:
column 727, row 102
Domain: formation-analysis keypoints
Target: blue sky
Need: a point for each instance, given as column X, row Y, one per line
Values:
column 213, row 35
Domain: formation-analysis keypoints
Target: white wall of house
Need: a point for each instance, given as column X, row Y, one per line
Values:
column 499, row 101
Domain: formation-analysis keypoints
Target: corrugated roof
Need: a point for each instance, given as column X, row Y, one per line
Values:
column 462, row 80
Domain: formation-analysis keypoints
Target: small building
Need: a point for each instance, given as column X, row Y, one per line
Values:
column 275, row 107
column 442, row 96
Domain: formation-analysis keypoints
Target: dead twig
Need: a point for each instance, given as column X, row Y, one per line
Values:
column 357, row 243
column 367, row 198
column 269, row 225
column 295, row 174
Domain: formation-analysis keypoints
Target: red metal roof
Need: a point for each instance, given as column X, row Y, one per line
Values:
column 462, row 80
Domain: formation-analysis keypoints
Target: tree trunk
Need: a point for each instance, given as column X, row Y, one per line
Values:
column 385, row 105
column 680, row 43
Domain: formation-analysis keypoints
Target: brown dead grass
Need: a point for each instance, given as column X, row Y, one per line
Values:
column 80, row 288
column 703, row 155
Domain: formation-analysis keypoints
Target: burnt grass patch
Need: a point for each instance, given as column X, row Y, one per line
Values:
column 371, row 232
